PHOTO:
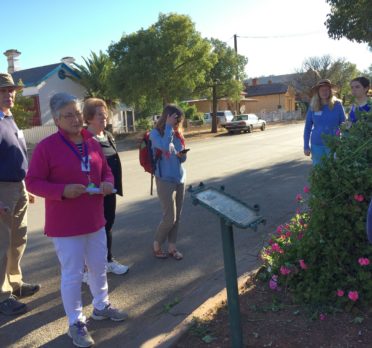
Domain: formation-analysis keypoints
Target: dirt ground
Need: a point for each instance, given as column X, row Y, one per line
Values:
column 269, row 319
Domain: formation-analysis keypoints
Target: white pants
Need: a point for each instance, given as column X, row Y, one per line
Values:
column 73, row 253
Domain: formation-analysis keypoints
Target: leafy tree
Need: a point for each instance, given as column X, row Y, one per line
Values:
column 163, row 63
column 22, row 110
column 351, row 19
column 94, row 77
column 146, row 107
column 339, row 71
column 368, row 73
column 226, row 76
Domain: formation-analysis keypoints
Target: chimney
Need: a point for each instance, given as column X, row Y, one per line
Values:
column 68, row 60
column 254, row 82
column 12, row 56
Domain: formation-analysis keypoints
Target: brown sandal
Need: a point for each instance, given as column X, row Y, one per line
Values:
column 175, row 254
column 160, row 254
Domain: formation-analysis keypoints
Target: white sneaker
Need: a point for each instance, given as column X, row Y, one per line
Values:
column 85, row 277
column 80, row 335
column 116, row 268
column 109, row 313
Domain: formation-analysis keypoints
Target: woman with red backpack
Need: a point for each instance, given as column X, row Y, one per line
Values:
column 170, row 177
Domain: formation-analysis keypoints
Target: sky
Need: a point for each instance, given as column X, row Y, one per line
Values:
column 276, row 36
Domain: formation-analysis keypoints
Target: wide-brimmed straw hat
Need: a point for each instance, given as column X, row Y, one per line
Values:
column 323, row 82
column 6, row 81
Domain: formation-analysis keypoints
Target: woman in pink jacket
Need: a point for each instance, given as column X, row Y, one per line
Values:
column 64, row 168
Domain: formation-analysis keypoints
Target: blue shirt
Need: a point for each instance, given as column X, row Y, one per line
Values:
column 322, row 122
column 353, row 116
column 169, row 167
column 13, row 151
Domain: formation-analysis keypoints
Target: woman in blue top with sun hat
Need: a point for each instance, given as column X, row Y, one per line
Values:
column 167, row 141
column 323, row 117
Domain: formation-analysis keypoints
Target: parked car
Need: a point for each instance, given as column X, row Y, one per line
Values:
column 245, row 123
column 222, row 116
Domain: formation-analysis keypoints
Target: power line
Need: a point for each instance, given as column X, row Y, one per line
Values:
column 279, row 36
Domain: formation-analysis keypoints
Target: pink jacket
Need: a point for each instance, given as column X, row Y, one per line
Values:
column 53, row 165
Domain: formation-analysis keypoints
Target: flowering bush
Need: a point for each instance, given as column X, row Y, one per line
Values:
column 322, row 255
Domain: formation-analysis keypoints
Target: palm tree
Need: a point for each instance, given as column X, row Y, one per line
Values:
column 94, row 78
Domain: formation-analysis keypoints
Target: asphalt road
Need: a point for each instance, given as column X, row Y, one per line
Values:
column 266, row 168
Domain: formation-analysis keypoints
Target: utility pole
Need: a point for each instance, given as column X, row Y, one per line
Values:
column 235, row 43
column 236, row 75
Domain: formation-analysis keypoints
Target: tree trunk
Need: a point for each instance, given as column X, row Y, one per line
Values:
column 214, row 109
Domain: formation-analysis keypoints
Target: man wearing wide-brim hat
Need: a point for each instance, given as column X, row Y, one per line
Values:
column 324, row 117
column 13, row 204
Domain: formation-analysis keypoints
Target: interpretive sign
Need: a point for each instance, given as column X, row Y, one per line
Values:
column 231, row 212
column 228, row 207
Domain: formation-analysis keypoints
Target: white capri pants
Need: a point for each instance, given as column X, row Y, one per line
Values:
column 73, row 254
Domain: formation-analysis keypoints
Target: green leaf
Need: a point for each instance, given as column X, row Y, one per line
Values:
column 357, row 320
column 208, row 339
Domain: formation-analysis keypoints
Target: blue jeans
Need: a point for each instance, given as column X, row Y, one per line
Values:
column 318, row 152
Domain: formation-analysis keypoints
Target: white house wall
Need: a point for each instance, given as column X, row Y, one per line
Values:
column 54, row 85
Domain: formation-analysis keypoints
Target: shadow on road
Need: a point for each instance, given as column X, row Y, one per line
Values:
column 158, row 294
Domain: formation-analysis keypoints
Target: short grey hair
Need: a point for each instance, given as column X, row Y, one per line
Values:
column 59, row 101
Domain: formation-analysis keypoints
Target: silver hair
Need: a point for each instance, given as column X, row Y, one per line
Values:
column 59, row 101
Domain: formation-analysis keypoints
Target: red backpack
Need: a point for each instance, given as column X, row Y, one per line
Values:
column 147, row 160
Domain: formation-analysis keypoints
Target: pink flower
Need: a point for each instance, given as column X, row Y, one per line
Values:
column 299, row 198
column 300, row 236
column 338, row 132
column 353, row 295
column 288, row 234
column 298, row 211
column 279, row 229
column 322, row 316
column 301, row 222
column 303, row 265
column 340, row 293
column 359, row 198
column 284, row 270
column 277, row 248
column 306, row 189
column 273, row 283
column 363, row 261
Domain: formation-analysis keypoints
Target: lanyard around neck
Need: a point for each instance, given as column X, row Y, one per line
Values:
column 82, row 159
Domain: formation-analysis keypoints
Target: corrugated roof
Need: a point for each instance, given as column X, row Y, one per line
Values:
column 33, row 76
column 267, row 89
column 286, row 78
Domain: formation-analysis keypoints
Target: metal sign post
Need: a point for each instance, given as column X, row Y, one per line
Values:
column 231, row 212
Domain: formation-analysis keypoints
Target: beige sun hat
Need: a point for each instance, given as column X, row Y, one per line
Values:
column 6, row 80
column 323, row 82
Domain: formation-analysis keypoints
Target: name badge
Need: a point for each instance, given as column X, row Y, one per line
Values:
column 318, row 113
column 20, row 134
column 85, row 164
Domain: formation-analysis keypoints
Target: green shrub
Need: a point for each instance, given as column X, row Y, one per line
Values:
column 144, row 123
column 199, row 116
column 322, row 255
column 22, row 111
